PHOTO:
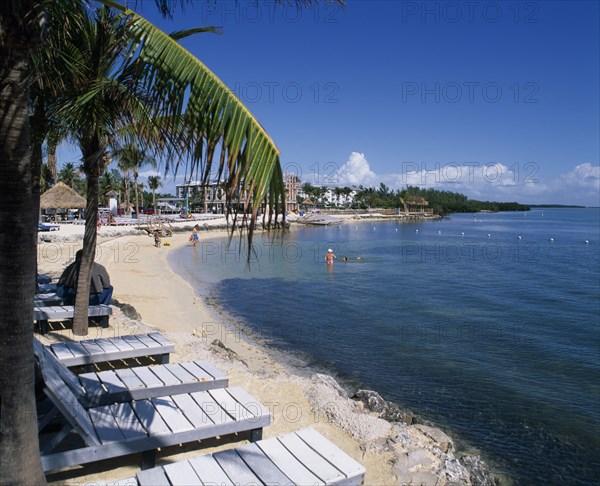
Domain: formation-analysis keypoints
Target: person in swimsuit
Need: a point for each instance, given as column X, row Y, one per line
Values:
column 330, row 257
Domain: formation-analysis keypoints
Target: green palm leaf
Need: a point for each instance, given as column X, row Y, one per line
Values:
column 251, row 164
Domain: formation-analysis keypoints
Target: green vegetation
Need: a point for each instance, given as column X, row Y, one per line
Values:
column 411, row 198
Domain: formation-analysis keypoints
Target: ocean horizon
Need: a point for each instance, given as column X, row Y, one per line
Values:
column 485, row 325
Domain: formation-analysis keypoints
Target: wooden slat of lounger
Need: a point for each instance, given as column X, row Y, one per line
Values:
column 161, row 340
column 192, row 410
column 171, row 414
column 181, row 474
column 262, row 466
column 107, row 345
column 256, row 408
column 319, row 466
column 120, row 343
column 348, row 466
column 209, row 471
column 99, row 310
column 151, row 421
column 284, row 460
column 68, row 351
column 105, row 424
column 148, row 341
column 129, row 379
column 134, row 341
column 111, row 381
column 165, row 376
column 127, row 420
column 145, row 374
column 92, row 347
column 152, row 477
column 230, row 404
column 92, row 385
column 211, row 408
column 180, row 373
column 201, row 371
column 235, row 468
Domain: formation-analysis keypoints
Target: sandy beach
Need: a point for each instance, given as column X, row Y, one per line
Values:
column 393, row 453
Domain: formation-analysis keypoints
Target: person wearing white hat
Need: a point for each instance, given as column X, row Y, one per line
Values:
column 329, row 257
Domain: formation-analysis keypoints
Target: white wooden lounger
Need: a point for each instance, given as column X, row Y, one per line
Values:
column 43, row 314
column 143, row 425
column 136, row 383
column 300, row 458
column 89, row 351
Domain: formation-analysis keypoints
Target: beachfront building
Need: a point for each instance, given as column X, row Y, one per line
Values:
column 291, row 191
column 206, row 198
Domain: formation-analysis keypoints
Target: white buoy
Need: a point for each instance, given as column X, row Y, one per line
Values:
column 587, row 242
column 520, row 237
column 489, row 235
column 439, row 232
column 396, row 229
column 416, row 231
column 462, row 233
column 551, row 239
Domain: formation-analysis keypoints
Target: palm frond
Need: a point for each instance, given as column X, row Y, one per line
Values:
column 183, row 85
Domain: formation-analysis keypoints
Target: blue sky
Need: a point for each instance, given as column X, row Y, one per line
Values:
column 497, row 100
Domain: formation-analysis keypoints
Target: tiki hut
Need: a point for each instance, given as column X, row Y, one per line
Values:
column 61, row 196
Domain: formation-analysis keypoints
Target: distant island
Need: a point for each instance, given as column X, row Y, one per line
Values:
column 436, row 201
column 550, row 206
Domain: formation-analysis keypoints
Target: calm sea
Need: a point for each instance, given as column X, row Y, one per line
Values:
column 487, row 325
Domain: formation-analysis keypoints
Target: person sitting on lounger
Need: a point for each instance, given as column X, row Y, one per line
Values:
column 100, row 288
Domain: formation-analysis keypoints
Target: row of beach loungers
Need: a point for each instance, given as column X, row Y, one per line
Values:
column 122, row 411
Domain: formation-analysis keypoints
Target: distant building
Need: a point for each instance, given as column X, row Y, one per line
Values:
column 290, row 182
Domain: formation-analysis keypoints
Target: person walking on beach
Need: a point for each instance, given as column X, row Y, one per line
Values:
column 330, row 257
column 157, row 238
column 194, row 235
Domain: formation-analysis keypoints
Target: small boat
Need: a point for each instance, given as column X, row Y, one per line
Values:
column 319, row 219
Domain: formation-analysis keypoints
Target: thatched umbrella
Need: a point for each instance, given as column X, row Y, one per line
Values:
column 61, row 196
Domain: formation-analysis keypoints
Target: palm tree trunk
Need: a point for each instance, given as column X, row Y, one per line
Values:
column 19, row 447
column 80, row 317
column 52, row 160
column 135, row 188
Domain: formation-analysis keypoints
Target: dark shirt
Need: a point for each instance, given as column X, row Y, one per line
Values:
column 99, row 277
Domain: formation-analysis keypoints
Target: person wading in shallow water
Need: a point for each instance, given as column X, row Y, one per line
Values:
column 330, row 257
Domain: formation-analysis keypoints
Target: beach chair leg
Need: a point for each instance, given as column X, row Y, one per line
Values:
column 164, row 358
column 104, row 322
column 148, row 459
column 43, row 325
column 256, row 434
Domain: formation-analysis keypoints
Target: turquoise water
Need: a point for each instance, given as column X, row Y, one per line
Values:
column 487, row 325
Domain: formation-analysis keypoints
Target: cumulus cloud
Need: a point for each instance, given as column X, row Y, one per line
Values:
column 524, row 182
column 356, row 171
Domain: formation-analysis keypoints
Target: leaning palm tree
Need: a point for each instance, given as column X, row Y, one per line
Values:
column 154, row 183
column 129, row 85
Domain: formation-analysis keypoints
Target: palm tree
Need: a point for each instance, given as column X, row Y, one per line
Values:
column 154, row 183
column 19, row 448
column 68, row 174
column 114, row 99
column 131, row 158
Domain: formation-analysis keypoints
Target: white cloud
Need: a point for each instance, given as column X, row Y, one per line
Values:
column 524, row 183
column 356, row 171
